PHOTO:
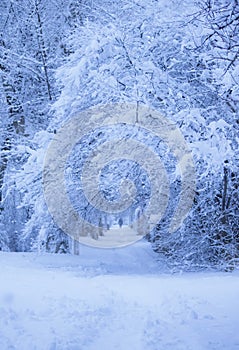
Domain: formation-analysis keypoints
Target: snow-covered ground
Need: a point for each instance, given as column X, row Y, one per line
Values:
column 113, row 299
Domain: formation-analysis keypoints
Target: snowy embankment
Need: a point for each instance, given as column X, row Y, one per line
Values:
column 113, row 299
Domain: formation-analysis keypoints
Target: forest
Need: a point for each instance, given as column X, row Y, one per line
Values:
column 59, row 58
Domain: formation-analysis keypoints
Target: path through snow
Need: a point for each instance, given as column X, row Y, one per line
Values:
column 113, row 299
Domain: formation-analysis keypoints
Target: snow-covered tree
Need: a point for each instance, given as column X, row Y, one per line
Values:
column 209, row 236
column 184, row 65
column 31, row 47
